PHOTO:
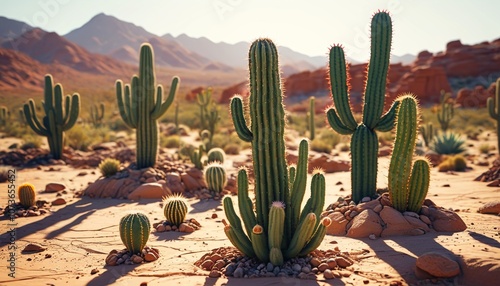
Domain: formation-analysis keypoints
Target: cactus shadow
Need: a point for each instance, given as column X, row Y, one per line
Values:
column 111, row 275
column 203, row 206
column 484, row 239
column 231, row 281
column 170, row 235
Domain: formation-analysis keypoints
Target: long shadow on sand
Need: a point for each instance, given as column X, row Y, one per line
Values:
column 111, row 274
column 272, row 281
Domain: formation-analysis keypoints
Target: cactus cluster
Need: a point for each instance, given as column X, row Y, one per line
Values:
column 408, row 185
column 446, row 111
column 134, row 231
column 141, row 104
column 175, row 209
column 109, row 167
column 61, row 114
column 364, row 141
column 97, row 115
column 279, row 228
column 494, row 110
column 216, row 177
column 26, row 194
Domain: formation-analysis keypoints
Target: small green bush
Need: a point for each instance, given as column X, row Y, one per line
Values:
column 31, row 141
column 485, row 148
column 109, row 167
column 320, row 145
column 172, row 141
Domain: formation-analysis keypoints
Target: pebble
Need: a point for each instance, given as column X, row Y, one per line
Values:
column 238, row 273
column 269, row 267
column 372, row 236
column 137, row 259
column 58, row 202
column 327, row 274
column 150, row 256
column 33, row 247
column 296, row 267
column 207, row 264
column 94, row 271
column 323, row 266
column 214, row 274
column 160, row 228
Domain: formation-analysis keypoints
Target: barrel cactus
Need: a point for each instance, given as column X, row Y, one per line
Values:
column 364, row 141
column 134, row 231
column 408, row 185
column 216, row 177
column 26, row 194
column 216, row 155
column 141, row 103
column 279, row 228
column 175, row 209
column 61, row 114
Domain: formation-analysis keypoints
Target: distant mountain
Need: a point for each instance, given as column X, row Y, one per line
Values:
column 405, row 59
column 11, row 29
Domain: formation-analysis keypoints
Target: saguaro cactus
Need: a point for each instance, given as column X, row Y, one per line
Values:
column 364, row 142
column 279, row 229
column 134, row 231
column 494, row 110
column 60, row 115
column 446, row 112
column 141, row 104
column 97, row 114
column 204, row 99
column 408, row 185
column 310, row 119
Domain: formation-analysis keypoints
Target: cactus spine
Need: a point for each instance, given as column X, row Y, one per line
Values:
column 216, row 155
column 364, row 142
column 141, row 104
column 134, row 231
column 216, row 177
column 27, row 195
column 274, row 231
column 446, row 112
column 310, row 119
column 494, row 110
column 97, row 114
column 408, row 185
column 175, row 209
column 60, row 115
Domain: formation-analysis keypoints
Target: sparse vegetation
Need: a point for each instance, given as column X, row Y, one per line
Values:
column 109, row 167
column 448, row 143
column 453, row 163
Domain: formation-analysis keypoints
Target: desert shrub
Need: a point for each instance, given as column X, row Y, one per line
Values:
column 17, row 130
column 453, row 163
column 109, row 167
column 185, row 150
column 485, row 148
column 81, row 136
column 172, row 141
column 320, row 145
column 31, row 141
column 447, row 143
column 232, row 149
column 330, row 137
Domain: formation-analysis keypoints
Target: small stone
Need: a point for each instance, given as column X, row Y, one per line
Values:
column 160, row 228
column 184, row 227
column 322, row 267
column 54, row 187
column 33, row 248
column 296, row 267
column 372, row 236
column 327, row 274
column 94, row 271
column 417, row 231
column 343, row 262
column 214, row 274
column 120, row 261
column 219, row 264
column 32, row 213
column 315, row 262
column 438, row 265
column 425, row 219
column 136, row 259
column 229, row 269
column 214, row 216
column 238, row 273
column 331, row 263
column 366, row 199
column 58, row 202
column 112, row 258
column 150, row 256
column 269, row 267
column 306, row 269
column 168, row 228
column 215, row 257
column 207, row 264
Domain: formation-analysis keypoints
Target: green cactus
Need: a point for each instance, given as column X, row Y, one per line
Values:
column 364, row 142
column 60, row 115
column 195, row 157
column 494, row 110
column 141, row 104
column 446, row 112
column 204, row 99
column 216, row 155
column 22, row 119
column 26, row 194
column 276, row 230
column 134, row 231
column 4, row 116
column 216, row 177
column 175, row 209
column 428, row 133
column 407, row 185
column 97, row 114
column 211, row 119
column 311, row 126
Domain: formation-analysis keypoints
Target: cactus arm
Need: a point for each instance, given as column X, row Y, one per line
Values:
column 73, row 111
column 299, row 187
column 276, row 230
column 301, row 236
column 58, row 102
column 491, row 108
column 47, row 102
column 245, row 203
column 276, row 256
column 32, row 119
column 231, row 215
column 239, row 121
column 418, row 184
column 245, row 246
column 339, row 88
column 124, row 104
column 310, row 119
column 336, row 123
column 259, row 243
column 161, row 107
column 381, row 34
column 317, row 237
column 386, row 123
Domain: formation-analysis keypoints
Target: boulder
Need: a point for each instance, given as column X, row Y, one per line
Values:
column 395, row 222
column 445, row 220
column 438, row 265
column 338, row 225
column 54, row 187
column 364, row 224
column 149, row 191
column 490, row 208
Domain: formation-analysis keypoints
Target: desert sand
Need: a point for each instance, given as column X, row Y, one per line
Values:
column 79, row 235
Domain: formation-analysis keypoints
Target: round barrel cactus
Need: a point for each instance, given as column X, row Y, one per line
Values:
column 216, row 155
column 134, row 231
column 175, row 209
column 215, row 176
column 27, row 195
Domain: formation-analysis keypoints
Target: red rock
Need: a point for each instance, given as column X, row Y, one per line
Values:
column 338, row 225
column 476, row 97
column 438, row 265
column 490, row 208
column 54, row 187
column 174, row 183
column 395, row 222
column 33, row 247
column 446, row 220
column 191, row 95
column 366, row 223
column 240, row 89
column 58, row 202
column 149, row 191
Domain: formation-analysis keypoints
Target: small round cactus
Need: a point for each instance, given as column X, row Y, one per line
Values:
column 134, row 231
column 215, row 176
column 26, row 194
column 109, row 167
column 175, row 209
column 216, row 154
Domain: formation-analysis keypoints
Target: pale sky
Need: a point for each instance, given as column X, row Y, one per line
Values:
column 309, row 27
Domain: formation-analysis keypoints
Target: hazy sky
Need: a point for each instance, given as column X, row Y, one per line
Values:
column 309, row 27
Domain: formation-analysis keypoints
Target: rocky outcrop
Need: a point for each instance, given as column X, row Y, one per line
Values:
column 240, row 88
column 476, row 97
column 191, row 95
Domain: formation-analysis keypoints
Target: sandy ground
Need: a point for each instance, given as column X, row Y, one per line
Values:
column 80, row 234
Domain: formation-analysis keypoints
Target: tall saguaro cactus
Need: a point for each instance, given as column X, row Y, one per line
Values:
column 446, row 112
column 408, row 185
column 364, row 142
column 61, row 114
column 279, row 229
column 494, row 110
column 141, row 103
